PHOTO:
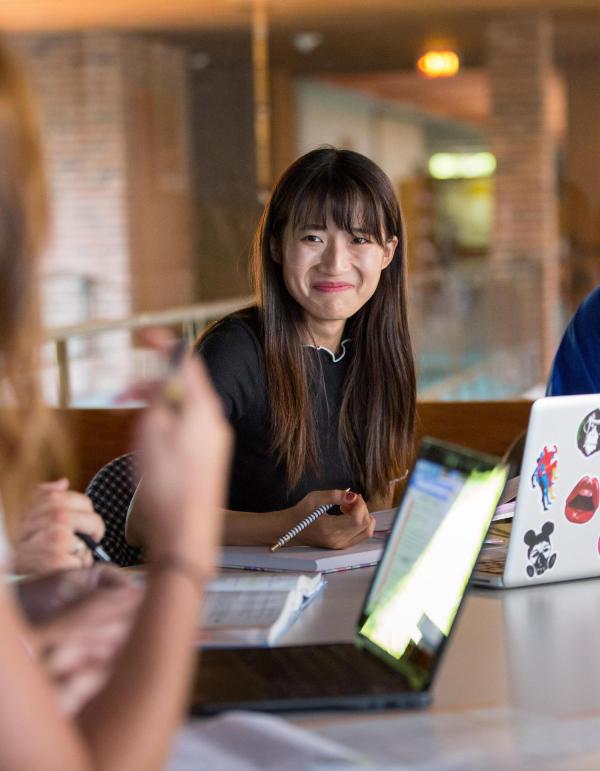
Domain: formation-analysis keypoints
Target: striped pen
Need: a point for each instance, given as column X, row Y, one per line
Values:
column 302, row 525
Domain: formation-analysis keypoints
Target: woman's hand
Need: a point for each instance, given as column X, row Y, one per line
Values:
column 352, row 526
column 46, row 540
column 184, row 452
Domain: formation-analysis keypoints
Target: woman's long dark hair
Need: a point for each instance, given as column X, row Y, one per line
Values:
column 376, row 427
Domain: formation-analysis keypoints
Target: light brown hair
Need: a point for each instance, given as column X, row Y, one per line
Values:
column 25, row 447
column 376, row 428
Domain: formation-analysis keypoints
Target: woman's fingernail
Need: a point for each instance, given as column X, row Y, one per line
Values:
column 350, row 497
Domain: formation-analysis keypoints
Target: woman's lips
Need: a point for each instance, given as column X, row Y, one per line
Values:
column 331, row 286
column 582, row 501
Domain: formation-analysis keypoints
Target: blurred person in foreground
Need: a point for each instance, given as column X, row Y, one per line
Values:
column 576, row 366
column 131, row 710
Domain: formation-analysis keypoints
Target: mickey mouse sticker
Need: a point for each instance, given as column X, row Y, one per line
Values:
column 539, row 552
column 588, row 433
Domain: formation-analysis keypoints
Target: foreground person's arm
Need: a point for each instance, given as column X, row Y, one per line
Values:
column 130, row 723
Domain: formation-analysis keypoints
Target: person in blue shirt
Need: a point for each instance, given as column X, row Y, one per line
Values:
column 576, row 367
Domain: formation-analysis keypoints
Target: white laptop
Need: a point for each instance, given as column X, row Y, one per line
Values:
column 555, row 533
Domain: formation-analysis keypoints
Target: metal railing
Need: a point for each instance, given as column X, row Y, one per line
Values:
column 191, row 319
column 475, row 330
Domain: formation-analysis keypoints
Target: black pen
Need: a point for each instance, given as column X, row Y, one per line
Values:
column 94, row 547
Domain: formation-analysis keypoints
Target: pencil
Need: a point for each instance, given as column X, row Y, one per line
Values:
column 302, row 525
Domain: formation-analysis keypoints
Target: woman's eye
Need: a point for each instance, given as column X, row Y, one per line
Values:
column 312, row 239
column 360, row 240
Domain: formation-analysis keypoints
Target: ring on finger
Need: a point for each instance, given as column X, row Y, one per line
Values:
column 79, row 549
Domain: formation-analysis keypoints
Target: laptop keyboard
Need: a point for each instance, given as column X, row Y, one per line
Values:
column 301, row 671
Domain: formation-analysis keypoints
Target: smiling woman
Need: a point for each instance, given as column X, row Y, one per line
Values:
column 318, row 379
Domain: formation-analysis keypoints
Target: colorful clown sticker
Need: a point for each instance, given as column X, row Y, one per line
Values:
column 545, row 475
column 588, row 433
column 583, row 500
column 540, row 555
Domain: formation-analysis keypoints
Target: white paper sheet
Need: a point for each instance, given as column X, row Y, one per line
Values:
column 245, row 741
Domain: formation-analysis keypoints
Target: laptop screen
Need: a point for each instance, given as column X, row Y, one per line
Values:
column 432, row 548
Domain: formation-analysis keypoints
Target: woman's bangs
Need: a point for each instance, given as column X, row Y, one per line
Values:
column 356, row 211
column 351, row 208
column 309, row 208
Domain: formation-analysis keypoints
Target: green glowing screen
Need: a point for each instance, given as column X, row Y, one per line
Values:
column 434, row 543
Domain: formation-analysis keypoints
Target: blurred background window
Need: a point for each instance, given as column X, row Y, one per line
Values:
column 165, row 125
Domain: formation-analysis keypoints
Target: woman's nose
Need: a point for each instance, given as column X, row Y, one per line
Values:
column 334, row 257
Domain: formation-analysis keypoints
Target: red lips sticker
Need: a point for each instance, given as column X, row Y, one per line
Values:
column 582, row 501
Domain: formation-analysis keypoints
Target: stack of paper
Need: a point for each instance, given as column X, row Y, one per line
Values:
column 253, row 610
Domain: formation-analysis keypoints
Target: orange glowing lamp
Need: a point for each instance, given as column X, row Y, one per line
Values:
column 439, row 64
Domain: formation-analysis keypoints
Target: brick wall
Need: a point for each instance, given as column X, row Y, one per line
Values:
column 79, row 87
column 520, row 62
column 114, row 121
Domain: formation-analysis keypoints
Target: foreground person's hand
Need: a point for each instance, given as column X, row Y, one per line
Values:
column 78, row 641
column 45, row 540
column 184, row 459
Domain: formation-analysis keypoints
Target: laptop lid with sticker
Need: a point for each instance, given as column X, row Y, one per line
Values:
column 556, row 527
column 432, row 548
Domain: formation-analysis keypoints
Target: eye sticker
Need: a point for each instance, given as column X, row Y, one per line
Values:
column 545, row 475
column 583, row 500
column 540, row 554
column 588, row 434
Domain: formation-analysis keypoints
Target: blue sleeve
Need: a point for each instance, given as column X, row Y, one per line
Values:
column 576, row 367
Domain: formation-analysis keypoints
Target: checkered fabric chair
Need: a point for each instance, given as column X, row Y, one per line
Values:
column 111, row 491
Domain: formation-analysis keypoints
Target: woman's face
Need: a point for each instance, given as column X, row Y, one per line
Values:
column 332, row 273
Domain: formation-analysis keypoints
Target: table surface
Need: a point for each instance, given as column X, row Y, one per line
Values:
column 534, row 648
column 518, row 686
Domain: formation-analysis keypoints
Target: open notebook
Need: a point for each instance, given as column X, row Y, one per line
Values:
column 253, row 610
column 310, row 559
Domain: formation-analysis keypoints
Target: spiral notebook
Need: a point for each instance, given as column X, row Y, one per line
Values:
column 303, row 559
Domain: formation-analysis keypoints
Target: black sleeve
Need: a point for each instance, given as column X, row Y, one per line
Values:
column 233, row 357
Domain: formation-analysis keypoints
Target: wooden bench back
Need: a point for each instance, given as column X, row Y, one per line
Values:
column 486, row 426
column 99, row 435
column 96, row 436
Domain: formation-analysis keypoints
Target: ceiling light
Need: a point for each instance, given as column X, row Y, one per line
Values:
column 438, row 64
column 306, row 42
column 462, row 165
column 200, row 60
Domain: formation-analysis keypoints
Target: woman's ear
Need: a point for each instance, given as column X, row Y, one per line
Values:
column 275, row 250
column 389, row 251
